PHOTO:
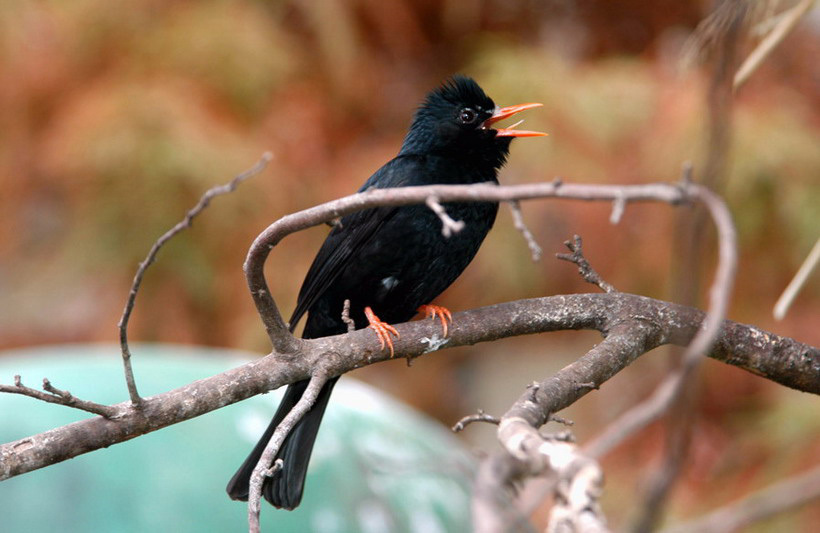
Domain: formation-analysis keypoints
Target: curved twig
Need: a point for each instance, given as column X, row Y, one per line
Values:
column 186, row 222
column 261, row 471
column 532, row 410
column 665, row 394
column 281, row 339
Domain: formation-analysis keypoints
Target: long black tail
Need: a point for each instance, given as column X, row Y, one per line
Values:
column 284, row 490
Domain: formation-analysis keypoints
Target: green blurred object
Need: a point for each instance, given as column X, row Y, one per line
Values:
column 377, row 465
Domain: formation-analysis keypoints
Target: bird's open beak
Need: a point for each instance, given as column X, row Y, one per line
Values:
column 505, row 112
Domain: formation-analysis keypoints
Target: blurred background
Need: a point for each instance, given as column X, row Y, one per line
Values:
column 115, row 118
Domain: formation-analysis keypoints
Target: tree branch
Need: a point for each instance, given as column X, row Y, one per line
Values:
column 449, row 227
column 803, row 273
column 520, row 225
column 578, row 478
column 779, row 359
column 285, row 343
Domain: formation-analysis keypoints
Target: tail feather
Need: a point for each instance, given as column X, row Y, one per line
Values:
column 284, row 490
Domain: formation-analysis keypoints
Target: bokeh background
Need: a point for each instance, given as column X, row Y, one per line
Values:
column 115, row 117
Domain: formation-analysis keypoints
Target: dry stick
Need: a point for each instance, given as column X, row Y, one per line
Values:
column 479, row 416
column 618, row 208
column 351, row 324
column 498, row 513
column 787, row 22
column 584, row 268
column 780, row 359
column 777, row 498
column 261, row 470
column 61, row 397
column 651, row 409
column 520, row 225
column 152, row 254
column 449, row 227
column 791, row 291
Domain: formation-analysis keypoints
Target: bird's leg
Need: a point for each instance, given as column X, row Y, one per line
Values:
column 434, row 311
column 382, row 329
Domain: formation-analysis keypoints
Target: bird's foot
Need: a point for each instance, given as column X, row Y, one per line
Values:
column 433, row 311
column 382, row 329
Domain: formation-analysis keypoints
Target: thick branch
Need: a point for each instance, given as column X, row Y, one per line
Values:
column 780, row 359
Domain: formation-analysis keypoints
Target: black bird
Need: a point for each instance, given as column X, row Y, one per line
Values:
column 391, row 262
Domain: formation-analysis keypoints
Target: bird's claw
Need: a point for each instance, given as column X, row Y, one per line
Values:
column 433, row 311
column 383, row 330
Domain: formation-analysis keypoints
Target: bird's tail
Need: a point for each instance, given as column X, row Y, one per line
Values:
column 284, row 490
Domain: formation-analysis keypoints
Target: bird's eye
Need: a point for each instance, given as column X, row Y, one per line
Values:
column 467, row 115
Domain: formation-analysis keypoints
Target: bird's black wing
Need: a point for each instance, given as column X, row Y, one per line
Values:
column 352, row 233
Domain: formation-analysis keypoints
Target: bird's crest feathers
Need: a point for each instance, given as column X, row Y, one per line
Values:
column 460, row 89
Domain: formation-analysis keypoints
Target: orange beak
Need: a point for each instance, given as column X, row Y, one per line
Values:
column 506, row 112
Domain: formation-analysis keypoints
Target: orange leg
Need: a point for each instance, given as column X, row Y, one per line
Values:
column 434, row 311
column 382, row 329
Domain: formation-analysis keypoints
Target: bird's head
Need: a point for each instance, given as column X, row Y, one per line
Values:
column 457, row 118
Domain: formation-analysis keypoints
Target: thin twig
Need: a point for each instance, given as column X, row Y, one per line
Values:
column 262, row 470
column 57, row 396
column 584, row 268
column 479, row 416
column 783, row 496
column 449, row 227
column 786, row 23
column 794, row 286
column 618, row 208
column 561, row 420
column 520, row 225
column 351, row 325
column 152, row 254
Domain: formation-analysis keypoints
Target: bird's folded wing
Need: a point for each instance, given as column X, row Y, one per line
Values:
column 353, row 231
column 338, row 250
